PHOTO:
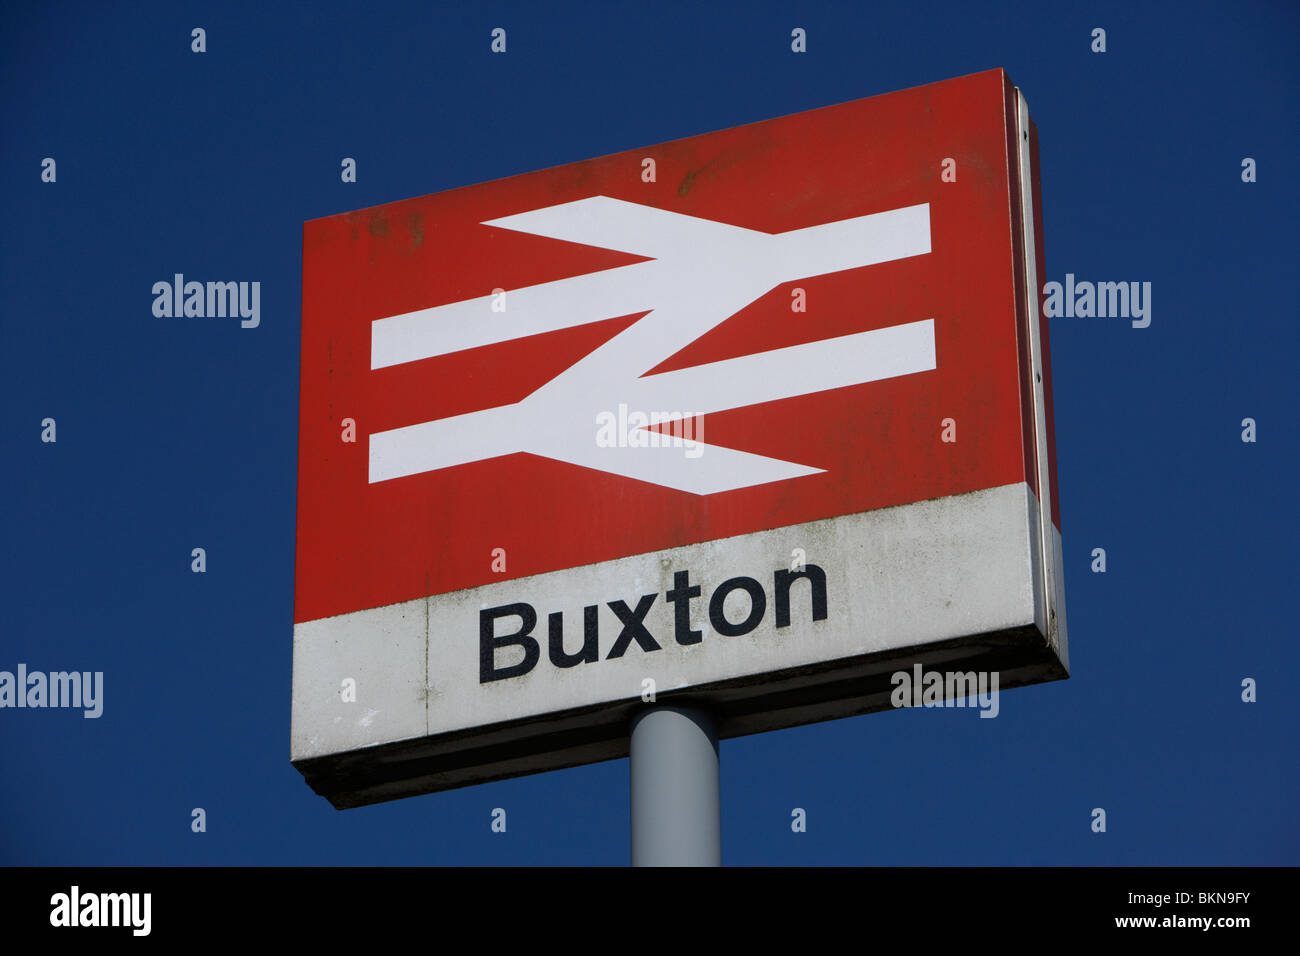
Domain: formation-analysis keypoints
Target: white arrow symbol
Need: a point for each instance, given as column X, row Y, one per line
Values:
column 703, row 272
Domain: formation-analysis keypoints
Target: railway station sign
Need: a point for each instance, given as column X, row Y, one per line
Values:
column 751, row 420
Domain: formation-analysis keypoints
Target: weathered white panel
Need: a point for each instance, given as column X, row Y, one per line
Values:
column 895, row 578
column 383, row 651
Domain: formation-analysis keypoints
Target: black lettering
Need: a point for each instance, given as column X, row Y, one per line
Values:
column 757, row 607
column 680, row 597
column 632, row 627
column 590, row 646
column 816, row 581
column 488, row 643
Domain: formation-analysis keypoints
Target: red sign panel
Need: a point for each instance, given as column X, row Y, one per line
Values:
column 831, row 301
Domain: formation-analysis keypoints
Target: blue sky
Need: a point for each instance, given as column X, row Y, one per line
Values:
column 177, row 435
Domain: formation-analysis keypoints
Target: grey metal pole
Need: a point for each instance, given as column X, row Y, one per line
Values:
column 676, row 813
